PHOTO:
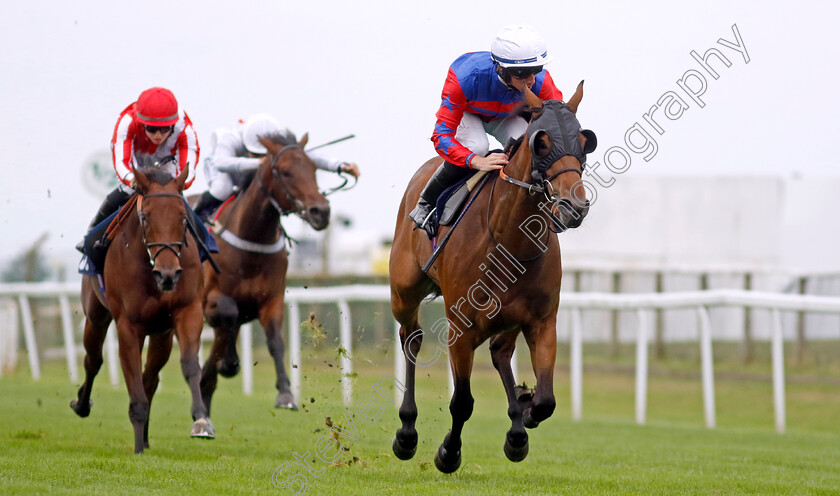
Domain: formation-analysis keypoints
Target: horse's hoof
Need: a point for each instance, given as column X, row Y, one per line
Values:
column 516, row 454
column 528, row 421
column 229, row 368
column 444, row 465
column 203, row 428
column 286, row 400
column 403, row 453
column 81, row 410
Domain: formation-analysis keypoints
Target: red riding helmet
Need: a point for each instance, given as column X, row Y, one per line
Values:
column 157, row 107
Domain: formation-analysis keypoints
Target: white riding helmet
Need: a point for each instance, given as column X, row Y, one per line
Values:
column 256, row 126
column 519, row 45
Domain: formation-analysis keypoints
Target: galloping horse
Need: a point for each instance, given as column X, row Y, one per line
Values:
column 253, row 259
column 499, row 275
column 152, row 282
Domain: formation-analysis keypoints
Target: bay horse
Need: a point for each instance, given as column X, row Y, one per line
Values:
column 253, row 259
column 499, row 275
column 152, row 285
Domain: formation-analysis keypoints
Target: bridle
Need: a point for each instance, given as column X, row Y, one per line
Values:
column 297, row 205
column 542, row 184
column 174, row 246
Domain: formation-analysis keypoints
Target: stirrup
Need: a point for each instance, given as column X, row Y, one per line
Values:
column 426, row 224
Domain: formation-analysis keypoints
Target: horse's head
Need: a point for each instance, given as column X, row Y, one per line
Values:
column 289, row 178
column 163, row 222
column 558, row 148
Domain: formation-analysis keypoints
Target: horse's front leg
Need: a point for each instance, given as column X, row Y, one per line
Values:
column 188, row 324
column 461, row 353
column 160, row 347
column 97, row 320
column 131, row 339
column 405, row 308
column 502, row 347
column 271, row 318
column 542, row 341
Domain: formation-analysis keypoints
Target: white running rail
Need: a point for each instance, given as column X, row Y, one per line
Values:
column 642, row 304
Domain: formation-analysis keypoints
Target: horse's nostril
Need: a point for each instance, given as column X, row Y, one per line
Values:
column 319, row 211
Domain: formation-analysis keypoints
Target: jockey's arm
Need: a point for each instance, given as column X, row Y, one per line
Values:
column 122, row 149
column 333, row 165
column 188, row 150
column 223, row 153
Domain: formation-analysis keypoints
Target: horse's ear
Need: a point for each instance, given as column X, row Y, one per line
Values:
column 588, row 141
column 182, row 177
column 533, row 100
column 142, row 180
column 271, row 146
column 304, row 140
column 574, row 101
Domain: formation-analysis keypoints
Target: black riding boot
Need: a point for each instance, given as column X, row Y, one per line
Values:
column 206, row 205
column 445, row 176
column 115, row 199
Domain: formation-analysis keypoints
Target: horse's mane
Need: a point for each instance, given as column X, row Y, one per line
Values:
column 161, row 175
column 284, row 137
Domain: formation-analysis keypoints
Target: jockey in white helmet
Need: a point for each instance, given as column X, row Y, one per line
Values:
column 480, row 95
column 238, row 150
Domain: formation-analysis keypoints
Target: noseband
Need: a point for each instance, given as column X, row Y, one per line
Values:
column 544, row 186
column 175, row 246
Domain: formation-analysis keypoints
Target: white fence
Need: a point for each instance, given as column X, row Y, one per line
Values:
column 642, row 304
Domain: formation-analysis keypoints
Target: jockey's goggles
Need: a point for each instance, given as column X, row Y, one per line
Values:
column 158, row 129
column 524, row 72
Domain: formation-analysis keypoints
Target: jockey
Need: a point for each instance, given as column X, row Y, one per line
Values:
column 236, row 153
column 148, row 131
column 482, row 94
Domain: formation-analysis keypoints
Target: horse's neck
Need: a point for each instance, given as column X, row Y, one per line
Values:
column 512, row 209
column 253, row 216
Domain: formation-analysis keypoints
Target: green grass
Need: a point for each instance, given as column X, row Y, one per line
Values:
column 46, row 449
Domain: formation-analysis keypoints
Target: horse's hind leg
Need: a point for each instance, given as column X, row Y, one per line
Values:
column 157, row 355
column 271, row 318
column 221, row 313
column 501, row 351
column 461, row 352
column 96, row 327
column 542, row 340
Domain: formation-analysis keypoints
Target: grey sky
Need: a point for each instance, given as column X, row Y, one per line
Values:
column 376, row 69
